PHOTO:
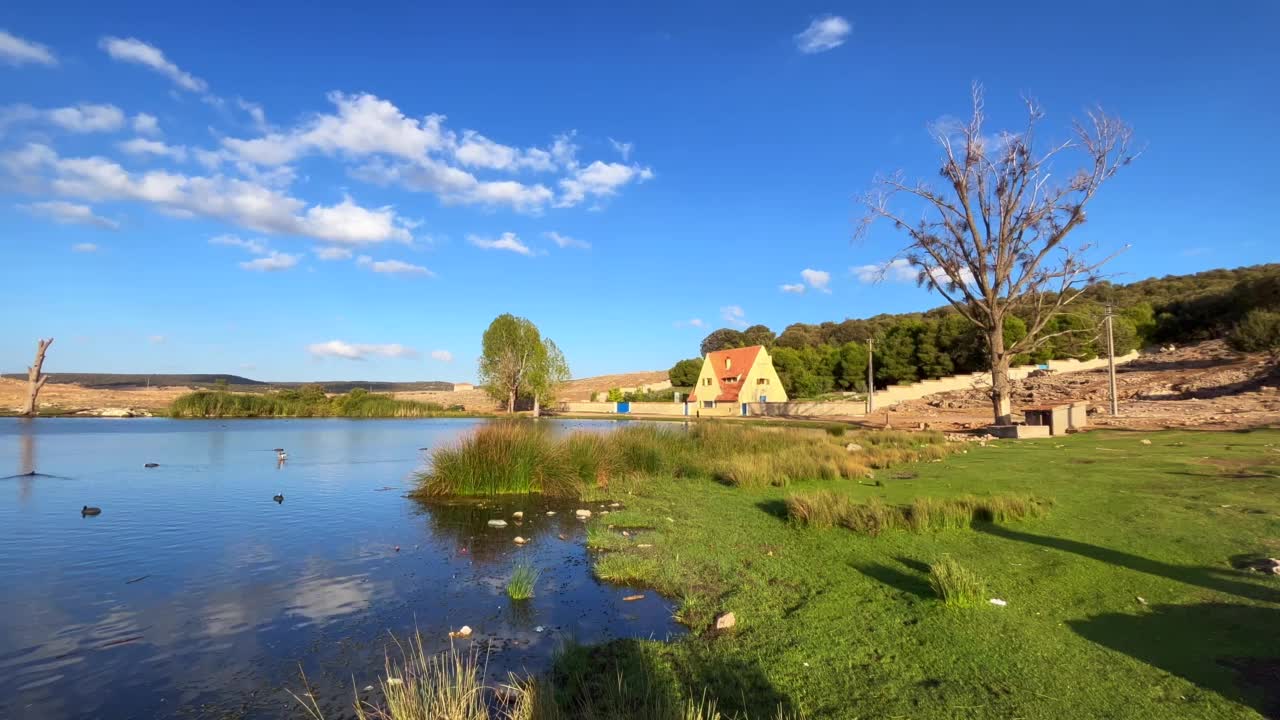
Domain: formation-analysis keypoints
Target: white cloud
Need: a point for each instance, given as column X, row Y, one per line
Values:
column 895, row 271
column 506, row 241
column 392, row 267
column 333, row 253
column 442, row 355
column 132, row 50
column 734, row 315
column 255, row 112
column 824, row 33
column 624, row 148
column 145, row 146
column 599, row 179
column 243, row 203
column 88, row 117
column 819, row 280
column 16, row 51
column 564, row 241
column 476, row 150
column 795, row 289
column 253, row 247
column 941, row 277
column 359, row 351
column 69, row 213
column 145, row 124
column 84, row 248
column 691, row 322
column 156, row 339
column 272, row 262
column 454, row 185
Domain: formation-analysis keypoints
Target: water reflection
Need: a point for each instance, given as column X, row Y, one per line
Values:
column 194, row 595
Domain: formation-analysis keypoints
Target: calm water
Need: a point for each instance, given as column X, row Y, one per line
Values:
column 194, row 595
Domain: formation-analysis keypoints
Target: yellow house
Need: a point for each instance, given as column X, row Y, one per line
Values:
column 737, row 377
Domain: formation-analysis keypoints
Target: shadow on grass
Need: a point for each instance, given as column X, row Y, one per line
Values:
column 776, row 508
column 639, row 680
column 1218, row 580
column 1232, row 650
column 910, row 583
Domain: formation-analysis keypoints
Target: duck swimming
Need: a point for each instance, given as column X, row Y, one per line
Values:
column 282, row 455
column 279, row 498
column 86, row 511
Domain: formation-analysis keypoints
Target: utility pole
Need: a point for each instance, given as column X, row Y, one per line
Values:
column 1111, row 363
column 871, row 387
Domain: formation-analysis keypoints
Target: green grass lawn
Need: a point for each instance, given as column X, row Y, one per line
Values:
column 835, row 624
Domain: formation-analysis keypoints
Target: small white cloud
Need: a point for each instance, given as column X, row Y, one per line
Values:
column 88, row 117
column 564, row 241
column 823, row 34
column 895, row 271
column 624, row 148
column 145, row 146
column 272, row 262
column 941, row 277
column 255, row 112
column 507, row 241
column 85, row 248
column 359, row 351
column 795, row 288
column 442, row 355
column 392, row 267
column 156, row 339
column 68, row 213
column 132, row 50
column 691, row 322
column 734, row 315
column 333, row 253
column 254, row 247
column 819, row 280
column 145, row 124
column 16, row 51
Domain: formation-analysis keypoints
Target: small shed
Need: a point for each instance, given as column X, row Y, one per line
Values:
column 1058, row 418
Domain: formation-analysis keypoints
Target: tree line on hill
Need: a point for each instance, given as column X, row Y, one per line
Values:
column 1240, row 305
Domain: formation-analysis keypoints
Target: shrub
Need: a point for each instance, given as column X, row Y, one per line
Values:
column 1257, row 331
column 523, row 579
column 955, row 585
column 500, row 458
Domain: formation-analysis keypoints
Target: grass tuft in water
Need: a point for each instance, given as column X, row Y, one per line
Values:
column 523, row 579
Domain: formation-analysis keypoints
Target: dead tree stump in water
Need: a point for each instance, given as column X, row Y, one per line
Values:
column 35, row 380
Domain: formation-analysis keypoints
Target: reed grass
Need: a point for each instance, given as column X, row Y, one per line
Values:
column 291, row 403
column 828, row 508
column 522, row 582
column 955, row 585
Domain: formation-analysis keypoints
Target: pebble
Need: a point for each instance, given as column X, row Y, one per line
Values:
column 632, row 598
column 550, row 513
column 462, row 632
column 998, row 602
column 517, row 514
column 726, row 621
column 498, row 523
column 583, row 514
column 519, row 540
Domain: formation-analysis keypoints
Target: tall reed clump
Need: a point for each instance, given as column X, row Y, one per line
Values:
column 826, row 508
column 954, row 584
column 501, row 458
column 292, row 403
column 523, row 579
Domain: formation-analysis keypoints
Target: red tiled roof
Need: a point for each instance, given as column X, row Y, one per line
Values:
column 740, row 361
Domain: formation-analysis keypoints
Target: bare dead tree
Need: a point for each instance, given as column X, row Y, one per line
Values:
column 35, row 381
column 993, row 240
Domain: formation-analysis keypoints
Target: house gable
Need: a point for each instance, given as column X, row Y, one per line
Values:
column 730, row 375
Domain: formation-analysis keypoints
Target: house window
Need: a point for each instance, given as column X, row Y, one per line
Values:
column 728, row 363
column 708, row 403
column 706, row 381
column 762, row 381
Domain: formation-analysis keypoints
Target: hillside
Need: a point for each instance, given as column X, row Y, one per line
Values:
column 122, row 381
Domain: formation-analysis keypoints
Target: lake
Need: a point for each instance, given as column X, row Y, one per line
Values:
column 195, row 595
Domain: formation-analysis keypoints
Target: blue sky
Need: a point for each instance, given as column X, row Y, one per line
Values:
column 299, row 192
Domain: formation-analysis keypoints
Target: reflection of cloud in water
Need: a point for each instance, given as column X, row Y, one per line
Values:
column 226, row 618
column 319, row 598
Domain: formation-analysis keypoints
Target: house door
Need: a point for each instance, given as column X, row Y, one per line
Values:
column 744, row 409
column 624, row 407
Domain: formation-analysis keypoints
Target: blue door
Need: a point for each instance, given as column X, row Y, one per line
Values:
column 744, row 409
column 624, row 407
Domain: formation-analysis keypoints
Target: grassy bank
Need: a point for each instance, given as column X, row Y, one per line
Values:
column 522, row 457
column 294, row 403
column 1122, row 600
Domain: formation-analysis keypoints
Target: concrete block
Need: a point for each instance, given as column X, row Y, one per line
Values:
column 1019, row 432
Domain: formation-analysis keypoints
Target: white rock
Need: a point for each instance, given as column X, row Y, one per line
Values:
column 462, row 632
column 519, row 540
column 498, row 523
column 853, row 447
column 517, row 514
column 550, row 513
column 998, row 602
column 583, row 514
column 726, row 621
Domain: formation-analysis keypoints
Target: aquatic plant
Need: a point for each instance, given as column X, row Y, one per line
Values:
column 523, row 579
column 295, row 403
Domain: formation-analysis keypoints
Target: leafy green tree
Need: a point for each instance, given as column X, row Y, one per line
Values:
column 758, row 335
column 722, row 339
column 515, row 361
column 1258, row 330
column 685, row 373
column 895, row 355
column 549, row 372
column 851, row 371
column 616, row 395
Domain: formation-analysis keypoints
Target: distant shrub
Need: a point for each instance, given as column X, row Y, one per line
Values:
column 615, row 395
column 955, row 585
column 826, row 508
column 307, row 401
column 1257, row 331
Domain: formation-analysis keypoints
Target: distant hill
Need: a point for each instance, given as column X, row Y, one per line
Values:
column 108, row 381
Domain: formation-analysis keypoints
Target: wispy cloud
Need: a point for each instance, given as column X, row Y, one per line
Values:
column 132, row 50
column 85, row 248
column 147, row 146
column 333, row 253
column 360, row 351
column 690, row 323
column 823, row 34
column 793, row 288
column 564, row 241
column 442, row 355
column 68, row 213
column 88, row 117
column 146, row 124
column 271, row 262
column 156, row 339
column 16, row 51
column 624, row 148
column 819, row 280
column 253, row 247
column 392, row 267
column 734, row 315
column 895, row 271
column 507, row 241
